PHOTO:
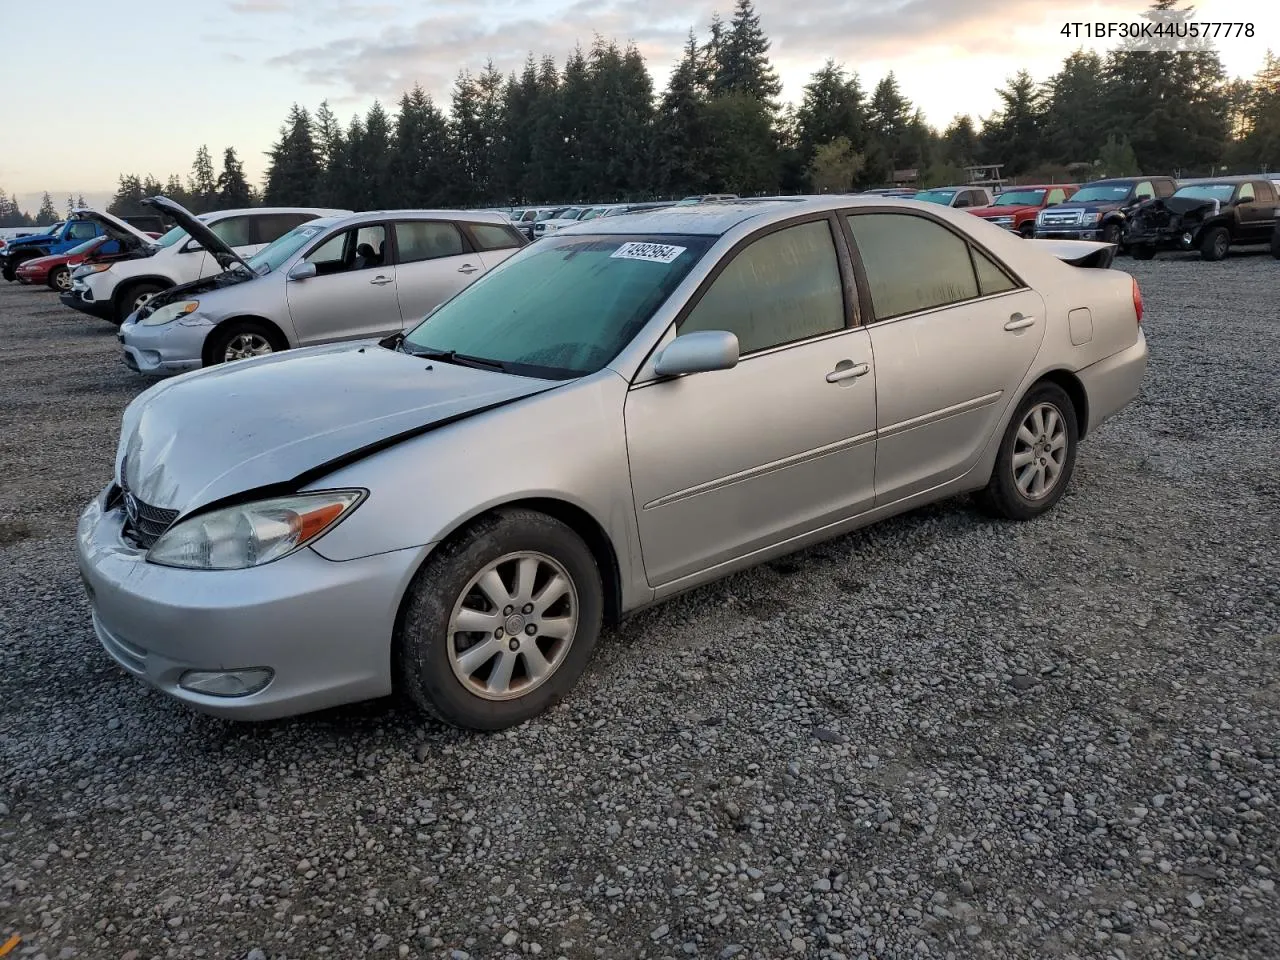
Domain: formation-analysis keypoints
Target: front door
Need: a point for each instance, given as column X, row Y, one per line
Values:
column 353, row 293
column 730, row 462
column 433, row 262
column 953, row 336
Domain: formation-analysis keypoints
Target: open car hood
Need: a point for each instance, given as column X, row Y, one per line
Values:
column 198, row 230
column 115, row 228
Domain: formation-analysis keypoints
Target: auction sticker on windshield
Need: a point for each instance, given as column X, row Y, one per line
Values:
column 653, row 252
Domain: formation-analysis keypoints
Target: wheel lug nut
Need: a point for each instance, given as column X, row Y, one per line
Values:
column 508, row 610
column 497, row 634
column 528, row 608
column 531, row 629
column 514, row 645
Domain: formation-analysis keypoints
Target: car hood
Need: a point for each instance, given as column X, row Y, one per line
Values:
column 41, row 263
column 1089, row 206
column 198, row 230
column 227, row 278
column 116, row 228
column 1005, row 211
column 277, row 421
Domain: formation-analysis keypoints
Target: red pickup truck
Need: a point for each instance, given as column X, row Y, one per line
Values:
column 1015, row 208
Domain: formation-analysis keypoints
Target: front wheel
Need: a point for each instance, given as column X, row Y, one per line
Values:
column 241, row 340
column 1036, row 458
column 1111, row 233
column 1027, row 231
column 500, row 621
column 1215, row 245
column 9, row 272
column 132, row 299
column 60, row 279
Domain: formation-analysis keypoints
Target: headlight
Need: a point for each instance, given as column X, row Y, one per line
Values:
column 252, row 534
column 1040, row 217
column 89, row 268
column 169, row 312
column 1090, row 218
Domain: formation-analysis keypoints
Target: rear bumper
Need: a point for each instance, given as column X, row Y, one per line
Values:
column 1112, row 384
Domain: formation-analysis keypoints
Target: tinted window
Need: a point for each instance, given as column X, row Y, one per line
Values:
column 783, row 287
column 357, row 249
column 991, row 279
column 492, row 236
column 564, row 306
column 427, row 240
column 272, row 226
column 912, row 263
column 81, row 230
column 234, row 231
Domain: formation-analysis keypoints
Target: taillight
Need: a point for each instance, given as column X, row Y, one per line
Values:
column 1137, row 301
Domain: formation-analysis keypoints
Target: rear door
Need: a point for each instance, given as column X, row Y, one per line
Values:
column 953, row 334
column 1255, row 206
column 434, row 260
column 353, row 293
column 493, row 242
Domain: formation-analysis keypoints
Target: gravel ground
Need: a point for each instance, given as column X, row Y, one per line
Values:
column 941, row 737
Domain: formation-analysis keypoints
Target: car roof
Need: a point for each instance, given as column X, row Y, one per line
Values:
column 719, row 217
column 956, row 186
column 1241, row 178
column 213, row 215
column 1039, row 186
column 466, row 216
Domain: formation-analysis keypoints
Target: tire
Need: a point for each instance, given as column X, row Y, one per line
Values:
column 132, row 297
column 1216, row 243
column 1004, row 495
column 429, row 648
column 59, row 279
column 10, row 273
column 1028, row 230
column 241, row 340
column 1111, row 233
column 1143, row 251
column 1275, row 244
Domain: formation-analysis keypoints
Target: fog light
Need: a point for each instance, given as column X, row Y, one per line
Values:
column 226, row 683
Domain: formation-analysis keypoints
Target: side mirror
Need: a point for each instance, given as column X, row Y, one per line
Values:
column 699, row 352
column 192, row 247
column 302, row 270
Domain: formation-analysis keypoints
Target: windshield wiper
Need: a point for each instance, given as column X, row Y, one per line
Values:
column 453, row 356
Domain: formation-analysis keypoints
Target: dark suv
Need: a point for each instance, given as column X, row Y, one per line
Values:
column 1100, row 210
column 1207, row 215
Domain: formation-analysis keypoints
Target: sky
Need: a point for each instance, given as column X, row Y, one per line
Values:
column 159, row 78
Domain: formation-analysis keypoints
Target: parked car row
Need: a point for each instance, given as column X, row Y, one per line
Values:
column 555, row 434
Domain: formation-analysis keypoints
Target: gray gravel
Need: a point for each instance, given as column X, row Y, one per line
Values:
column 942, row 737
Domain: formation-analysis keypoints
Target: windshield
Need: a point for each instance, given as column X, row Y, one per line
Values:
column 172, row 237
column 1207, row 191
column 936, row 196
column 1019, row 198
column 592, row 213
column 573, row 213
column 86, row 247
column 547, row 214
column 563, row 307
column 282, row 248
column 1104, row 193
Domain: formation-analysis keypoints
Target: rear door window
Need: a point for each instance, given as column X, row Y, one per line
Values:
column 273, row 226
column 234, row 231
column 418, row 240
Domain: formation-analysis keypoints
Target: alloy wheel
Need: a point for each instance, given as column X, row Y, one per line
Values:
column 139, row 300
column 245, row 345
column 1040, row 451
column 513, row 625
column 62, row 280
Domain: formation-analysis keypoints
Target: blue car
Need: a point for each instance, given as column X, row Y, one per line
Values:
column 80, row 226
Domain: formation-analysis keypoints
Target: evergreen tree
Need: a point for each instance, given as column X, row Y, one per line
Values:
column 375, row 160
column 421, row 162
column 71, row 204
column 1118, row 159
column 47, row 215
column 681, row 126
column 959, row 148
column 742, row 58
column 575, row 100
column 467, row 128
column 11, row 215
column 1260, row 147
column 80, row 202
column 293, row 174
column 233, row 190
column 1073, row 101
column 1011, row 135
column 202, row 186
column 832, row 109
column 888, row 119
column 742, row 150
column 545, row 176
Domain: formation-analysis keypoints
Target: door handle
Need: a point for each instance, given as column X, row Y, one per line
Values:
column 380, row 280
column 1019, row 322
column 851, row 372
column 467, row 268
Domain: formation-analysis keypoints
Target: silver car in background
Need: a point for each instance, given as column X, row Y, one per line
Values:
column 620, row 412
column 336, row 278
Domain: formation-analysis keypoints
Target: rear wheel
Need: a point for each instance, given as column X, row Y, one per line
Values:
column 131, row 298
column 1216, row 243
column 60, row 279
column 1036, row 458
column 500, row 621
column 241, row 340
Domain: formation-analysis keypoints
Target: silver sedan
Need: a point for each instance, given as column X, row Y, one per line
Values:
column 621, row 412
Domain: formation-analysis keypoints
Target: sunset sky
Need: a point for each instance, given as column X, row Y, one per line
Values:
column 91, row 89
